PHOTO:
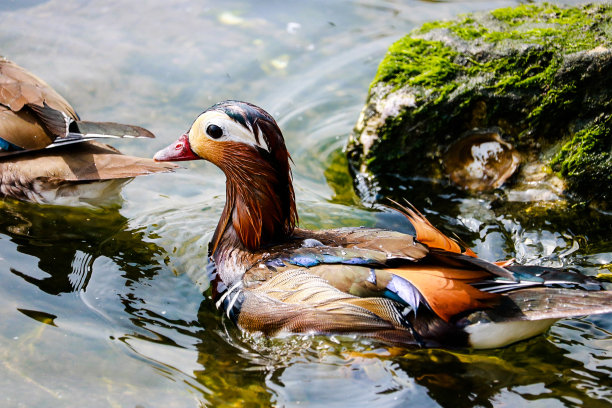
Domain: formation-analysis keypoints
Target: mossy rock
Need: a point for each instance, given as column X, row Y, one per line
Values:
column 538, row 74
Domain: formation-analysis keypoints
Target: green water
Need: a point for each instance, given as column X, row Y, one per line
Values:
column 109, row 307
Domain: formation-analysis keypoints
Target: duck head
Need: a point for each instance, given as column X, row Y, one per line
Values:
column 245, row 142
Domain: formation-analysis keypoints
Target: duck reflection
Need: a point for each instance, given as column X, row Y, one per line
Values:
column 67, row 240
column 529, row 371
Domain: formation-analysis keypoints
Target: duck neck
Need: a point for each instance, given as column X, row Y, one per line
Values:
column 259, row 209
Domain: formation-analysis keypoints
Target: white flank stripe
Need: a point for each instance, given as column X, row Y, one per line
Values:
column 493, row 335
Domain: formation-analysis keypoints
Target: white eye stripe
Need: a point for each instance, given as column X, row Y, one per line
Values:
column 232, row 130
column 262, row 140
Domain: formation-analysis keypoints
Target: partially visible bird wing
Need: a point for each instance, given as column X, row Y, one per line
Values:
column 23, row 129
column 551, row 303
column 446, row 290
column 375, row 263
column 19, row 88
column 90, row 129
column 390, row 244
column 33, row 114
column 301, row 302
column 87, row 161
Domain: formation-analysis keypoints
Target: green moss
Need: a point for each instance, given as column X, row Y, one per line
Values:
column 433, row 25
column 546, row 13
column 518, row 15
column 415, row 61
column 530, row 70
column 549, row 32
column 546, row 24
column 555, row 99
column 469, row 29
column 586, row 159
column 418, row 62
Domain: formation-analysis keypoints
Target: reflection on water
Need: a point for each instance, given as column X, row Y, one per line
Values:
column 110, row 307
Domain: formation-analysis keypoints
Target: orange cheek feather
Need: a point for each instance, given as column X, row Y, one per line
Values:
column 208, row 149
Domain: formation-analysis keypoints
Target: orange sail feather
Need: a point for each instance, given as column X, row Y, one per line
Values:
column 447, row 290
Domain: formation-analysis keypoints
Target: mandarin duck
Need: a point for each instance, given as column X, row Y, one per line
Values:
column 423, row 290
column 47, row 154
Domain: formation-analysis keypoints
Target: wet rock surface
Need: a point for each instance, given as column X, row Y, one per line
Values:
column 536, row 78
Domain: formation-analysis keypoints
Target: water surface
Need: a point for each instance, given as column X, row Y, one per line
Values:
column 109, row 307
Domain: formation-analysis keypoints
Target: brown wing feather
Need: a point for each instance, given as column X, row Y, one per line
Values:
column 261, row 314
column 557, row 303
column 23, row 129
column 22, row 96
column 298, row 301
column 18, row 88
column 447, row 290
column 394, row 244
column 87, row 161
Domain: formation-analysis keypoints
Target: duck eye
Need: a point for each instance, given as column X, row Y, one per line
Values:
column 214, row 131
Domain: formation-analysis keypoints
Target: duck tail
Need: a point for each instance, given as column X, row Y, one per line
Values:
column 528, row 312
column 558, row 303
column 526, row 276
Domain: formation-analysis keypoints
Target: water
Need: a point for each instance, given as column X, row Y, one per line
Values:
column 109, row 307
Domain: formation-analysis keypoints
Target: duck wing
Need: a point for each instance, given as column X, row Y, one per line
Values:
column 48, row 173
column 34, row 116
column 88, row 161
column 370, row 263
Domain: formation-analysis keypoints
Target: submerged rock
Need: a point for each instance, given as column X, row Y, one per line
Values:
column 537, row 79
column 480, row 161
